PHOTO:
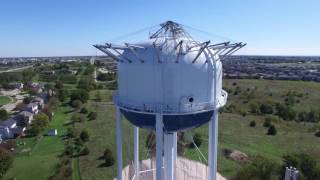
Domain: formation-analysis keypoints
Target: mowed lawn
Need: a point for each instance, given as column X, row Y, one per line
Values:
column 37, row 159
column 234, row 131
column 4, row 100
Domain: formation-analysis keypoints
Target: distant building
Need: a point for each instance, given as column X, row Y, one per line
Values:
column 53, row 132
column 33, row 108
column 47, row 72
column 24, row 118
column 6, row 128
column 15, row 85
column 39, row 101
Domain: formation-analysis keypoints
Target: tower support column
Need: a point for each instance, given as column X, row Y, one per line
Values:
column 159, row 146
column 119, row 142
column 169, row 154
column 213, row 146
column 136, row 152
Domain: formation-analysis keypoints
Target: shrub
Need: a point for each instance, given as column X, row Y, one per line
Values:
column 252, row 124
column 151, row 141
column 108, row 157
column 272, row 130
column 58, row 85
column 317, row 134
column 77, row 118
column 266, row 108
column 84, row 151
column 84, row 110
column 71, row 132
column 6, row 161
column 267, row 122
column 260, row 168
column 27, row 100
column 197, row 140
column 67, row 171
column 3, row 114
column 76, row 104
column 306, row 164
column 92, row 115
column 80, row 94
column 84, row 135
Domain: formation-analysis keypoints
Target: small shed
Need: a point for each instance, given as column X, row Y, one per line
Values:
column 53, row 132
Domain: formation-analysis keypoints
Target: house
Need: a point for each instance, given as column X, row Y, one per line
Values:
column 6, row 128
column 33, row 108
column 53, row 132
column 18, row 131
column 15, row 85
column 39, row 101
column 24, row 118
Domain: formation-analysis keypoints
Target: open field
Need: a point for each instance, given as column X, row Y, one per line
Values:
column 4, row 100
column 37, row 159
column 234, row 130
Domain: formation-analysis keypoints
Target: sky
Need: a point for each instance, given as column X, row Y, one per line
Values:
column 71, row 27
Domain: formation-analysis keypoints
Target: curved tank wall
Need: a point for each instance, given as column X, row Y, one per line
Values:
column 163, row 78
column 171, row 123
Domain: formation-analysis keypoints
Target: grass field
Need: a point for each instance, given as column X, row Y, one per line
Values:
column 4, row 100
column 234, row 130
column 37, row 159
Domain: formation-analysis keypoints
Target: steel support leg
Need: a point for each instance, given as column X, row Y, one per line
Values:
column 169, row 154
column 213, row 146
column 159, row 146
column 119, row 142
column 136, row 152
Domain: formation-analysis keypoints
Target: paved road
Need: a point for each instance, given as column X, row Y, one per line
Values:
column 16, row 69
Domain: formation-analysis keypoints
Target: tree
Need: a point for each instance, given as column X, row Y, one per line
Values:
column 84, row 135
column 76, row 104
column 27, row 100
column 197, row 140
column 77, row 118
column 285, row 112
column 252, row 124
column 92, row 115
column 272, row 130
column 59, row 85
column 47, row 110
column 86, row 84
column 84, row 151
column 3, row 114
column 306, row 164
column 108, row 157
column 62, row 95
column 254, row 108
column 98, row 96
column 71, row 132
column 39, row 123
column 266, row 108
column 84, row 110
column 80, row 94
column 317, row 134
column 6, row 161
column 267, row 122
column 260, row 168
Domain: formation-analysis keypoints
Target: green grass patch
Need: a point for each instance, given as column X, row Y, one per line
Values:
column 4, row 100
column 40, row 163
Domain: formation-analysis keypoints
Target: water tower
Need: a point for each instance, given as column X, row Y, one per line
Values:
column 169, row 83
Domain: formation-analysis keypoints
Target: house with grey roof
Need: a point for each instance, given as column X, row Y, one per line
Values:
column 33, row 108
column 39, row 101
column 24, row 118
column 6, row 128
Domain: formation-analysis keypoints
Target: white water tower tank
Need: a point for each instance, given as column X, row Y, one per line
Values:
column 169, row 83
